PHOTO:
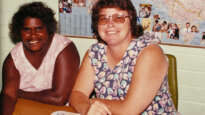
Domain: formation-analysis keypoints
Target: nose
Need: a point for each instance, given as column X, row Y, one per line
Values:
column 110, row 22
column 33, row 33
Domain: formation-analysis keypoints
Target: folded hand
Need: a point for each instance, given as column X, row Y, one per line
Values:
column 98, row 108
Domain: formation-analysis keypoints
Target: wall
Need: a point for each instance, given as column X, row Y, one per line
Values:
column 190, row 61
column 191, row 75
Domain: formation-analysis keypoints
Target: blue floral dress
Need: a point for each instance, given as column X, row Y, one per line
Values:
column 114, row 83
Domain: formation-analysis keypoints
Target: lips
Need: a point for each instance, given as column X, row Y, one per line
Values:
column 111, row 32
column 34, row 45
column 33, row 42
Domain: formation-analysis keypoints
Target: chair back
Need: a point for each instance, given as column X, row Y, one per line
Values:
column 172, row 79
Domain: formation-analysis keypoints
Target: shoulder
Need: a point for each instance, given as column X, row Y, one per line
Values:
column 70, row 50
column 152, row 49
column 96, row 49
column 8, row 60
column 152, row 59
column 153, row 53
column 9, row 66
column 69, row 55
column 64, row 46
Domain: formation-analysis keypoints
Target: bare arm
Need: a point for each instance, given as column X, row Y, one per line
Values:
column 83, row 87
column 150, row 69
column 66, row 68
column 11, row 80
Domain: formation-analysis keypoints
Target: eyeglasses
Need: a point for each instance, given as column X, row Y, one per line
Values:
column 116, row 18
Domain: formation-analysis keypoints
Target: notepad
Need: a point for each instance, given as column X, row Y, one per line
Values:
column 64, row 113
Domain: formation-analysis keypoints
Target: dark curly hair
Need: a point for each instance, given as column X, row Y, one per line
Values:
column 122, row 5
column 35, row 10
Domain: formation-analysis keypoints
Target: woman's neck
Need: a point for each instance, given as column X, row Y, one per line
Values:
column 116, row 52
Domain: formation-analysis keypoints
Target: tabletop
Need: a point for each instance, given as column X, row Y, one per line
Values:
column 28, row 107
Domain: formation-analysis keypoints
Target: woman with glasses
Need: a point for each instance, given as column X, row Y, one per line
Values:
column 128, row 73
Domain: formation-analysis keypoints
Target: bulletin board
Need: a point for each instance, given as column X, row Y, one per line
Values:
column 174, row 22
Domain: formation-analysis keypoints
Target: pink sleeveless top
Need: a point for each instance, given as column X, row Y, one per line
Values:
column 33, row 79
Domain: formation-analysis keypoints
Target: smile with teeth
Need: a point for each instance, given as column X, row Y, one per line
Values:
column 33, row 42
column 111, row 32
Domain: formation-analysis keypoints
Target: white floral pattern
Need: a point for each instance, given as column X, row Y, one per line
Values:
column 114, row 83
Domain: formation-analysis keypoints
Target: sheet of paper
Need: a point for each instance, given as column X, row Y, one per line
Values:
column 64, row 113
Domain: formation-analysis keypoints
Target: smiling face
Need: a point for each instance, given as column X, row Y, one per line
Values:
column 115, row 27
column 187, row 25
column 34, row 34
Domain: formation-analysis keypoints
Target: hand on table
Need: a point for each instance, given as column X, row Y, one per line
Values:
column 98, row 108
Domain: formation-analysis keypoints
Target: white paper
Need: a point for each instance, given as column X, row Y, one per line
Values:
column 64, row 113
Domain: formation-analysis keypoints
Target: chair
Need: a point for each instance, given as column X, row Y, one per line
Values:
column 172, row 79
